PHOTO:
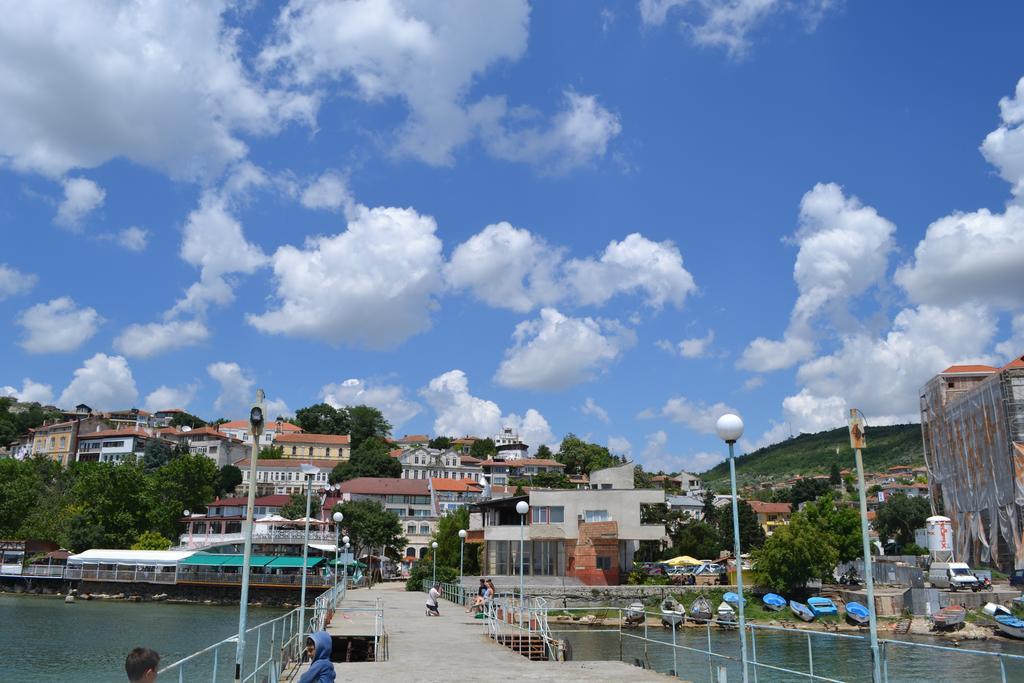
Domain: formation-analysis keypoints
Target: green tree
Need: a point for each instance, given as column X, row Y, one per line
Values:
column 185, row 483
column 270, row 453
column 187, row 420
column 899, row 516
column 156, row 454
column 696, row 539
column 29, row 416
column 834, row 478
column 151, row 540
column 709, row 513
column 793, row 555
column 483, row 449
column 371, row 459
column 807, row 489
column 545, row 480
column 751, row 533
column 370, row 527
column 581, row 457
column 367, row 422
column 842, row 524
column 544, row 453
column 110, row 504
column 296, row 507
column 441, row 443
column 323, row 419
column 228, row 479
column 642, row 479
column 448, row 542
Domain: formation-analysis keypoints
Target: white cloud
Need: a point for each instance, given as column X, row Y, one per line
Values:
column 165, row 397
column 382, row 274
column 159, row 83
column 1013, row 347
column 237, row 387
column 590, row 407
column 694, row 347
column 1004, row 147
column 103, row 383
column 276, row 407
column 656, row 457
column 727, row 23
column 57, row 326
column 388, row 398
column 507, row 267
column 30, row 392
column 459, row 413
column 696, row 415
column 844, row 251
column 133, row 238
column 969, row 257
column 577, row 136
column 81, row 197
column 329, row 191
column 620, row 445
column 635, row 263
column 153, row 339
column 14, row 282
column 555, row 352
column 754, row 382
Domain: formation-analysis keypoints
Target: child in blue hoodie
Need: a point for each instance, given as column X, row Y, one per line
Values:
column 321, row 670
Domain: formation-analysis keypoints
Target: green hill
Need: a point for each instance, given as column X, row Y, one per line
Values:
column 810, row 454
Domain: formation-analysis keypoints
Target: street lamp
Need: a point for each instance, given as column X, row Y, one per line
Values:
column 308, row 471
column 256, row 424
column 730, row 428
column 344, row 579
column 188, row 514
column 337, row 517
column 522, row 507
column 462, row 554
column 434, row 547
column 857, row 442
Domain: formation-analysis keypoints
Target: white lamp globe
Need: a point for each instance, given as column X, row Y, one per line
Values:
column 729, row 428
column 337, row 517
column 434, row 544
column 187, row 513
column 344, row 539
column 522, row 507
column 462, row 533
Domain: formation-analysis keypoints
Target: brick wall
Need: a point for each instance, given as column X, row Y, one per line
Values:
column 596, row 539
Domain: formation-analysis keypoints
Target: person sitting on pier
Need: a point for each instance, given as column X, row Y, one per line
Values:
column 141, row 665
column 432, row 597
column 480, row 599
column 321, row 670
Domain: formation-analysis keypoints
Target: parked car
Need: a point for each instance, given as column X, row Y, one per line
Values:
column 1017, row 578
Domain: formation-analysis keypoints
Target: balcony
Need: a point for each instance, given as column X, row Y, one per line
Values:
column 190, row 541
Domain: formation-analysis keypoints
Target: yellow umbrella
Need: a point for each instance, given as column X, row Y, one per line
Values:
column 682, row 560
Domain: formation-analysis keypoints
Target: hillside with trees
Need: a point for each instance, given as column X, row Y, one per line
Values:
column 813, row 454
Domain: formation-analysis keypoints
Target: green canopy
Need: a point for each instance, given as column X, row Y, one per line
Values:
column 214, row 560
column 293, row 561
column 353, row 563
column 207, row 560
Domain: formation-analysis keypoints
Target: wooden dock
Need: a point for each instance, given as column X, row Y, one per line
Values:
column 452, row 647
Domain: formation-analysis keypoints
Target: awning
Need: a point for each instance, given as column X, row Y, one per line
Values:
column 254, row 561
column 205, row 560
column 293, row 561
column 215, row 560
column 326, row 547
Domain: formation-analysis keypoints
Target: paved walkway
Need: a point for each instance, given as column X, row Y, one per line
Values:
column 453, row 647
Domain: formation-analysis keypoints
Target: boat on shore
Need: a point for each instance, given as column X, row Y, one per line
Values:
column 857, row 614
column 949, row 617
column 822, row 607
column 801, row 611
column 1011, row 625
column 774, row 602
column 733, row 598
column 672, row 613
column 635, row 613
column 992, row 609
column 725, row 615
column 700, row 610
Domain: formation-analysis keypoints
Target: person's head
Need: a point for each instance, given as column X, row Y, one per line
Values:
column 319, row 646
column 310, row 647
column 437, row 586
column 141, row 665
column 483, row 582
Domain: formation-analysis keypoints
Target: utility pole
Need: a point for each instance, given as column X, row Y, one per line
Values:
column 858, row 441
column 256, row 423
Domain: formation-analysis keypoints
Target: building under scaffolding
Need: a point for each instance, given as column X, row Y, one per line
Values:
column 972, row 425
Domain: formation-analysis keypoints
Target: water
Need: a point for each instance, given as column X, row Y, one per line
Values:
column 844, row 659
column 42, row 639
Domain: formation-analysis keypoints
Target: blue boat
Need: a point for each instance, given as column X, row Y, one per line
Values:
column 800, row 610
column 822, row 607
column 732, row 598
column 856, row 613
column 1011, row 626
column 774, row 602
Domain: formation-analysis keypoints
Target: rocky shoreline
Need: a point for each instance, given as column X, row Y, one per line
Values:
column 226, row 601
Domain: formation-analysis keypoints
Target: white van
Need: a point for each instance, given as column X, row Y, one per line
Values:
column 952, row 575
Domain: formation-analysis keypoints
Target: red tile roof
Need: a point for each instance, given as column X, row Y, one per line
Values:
column 763, row 508
column 397, row 453
column 1015, row 363
column 413, row 438
column 469, row 460
column 382, row 486
column 467, row 485
column 968, row 369
column 326, row 439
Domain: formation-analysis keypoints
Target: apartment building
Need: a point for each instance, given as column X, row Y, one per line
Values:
column 420, row 462
column 115, row 445
column 283, row 476
column 410, row 499
column 502, row 472
column 336, row 447
column 239, row 429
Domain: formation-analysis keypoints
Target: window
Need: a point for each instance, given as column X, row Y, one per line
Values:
column 596, row 516
column 410, row 552
column 293, row 450
column 311, row 450
column 410, row 529
column 63, row 441
column 328, row 451
column 604, row 562
column 606, row 486
column 548, row 515
column 425, row 529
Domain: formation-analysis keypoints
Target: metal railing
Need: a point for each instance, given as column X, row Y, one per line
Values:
column 119, row 575
column 452, row 592
column 202, row 539
column 52, row 571
column 255, row 578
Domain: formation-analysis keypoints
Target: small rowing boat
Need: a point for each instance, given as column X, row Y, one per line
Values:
column 672, row 613
column 857, row 614
column 635, row 613
column 700, row 610
column 1011, row 625
column 800, row 610
column 774, row 602
column 822, row 607
column 725, row 616
column 949, row 617
column 992, row 609
column 733, row 598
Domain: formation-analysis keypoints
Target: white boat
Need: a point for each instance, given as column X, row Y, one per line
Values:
column 801, row 610
column 1011, row 625
column 992, row 609
column 725, row 615
column 700, row 610
column 635, row 613
column 672, row 613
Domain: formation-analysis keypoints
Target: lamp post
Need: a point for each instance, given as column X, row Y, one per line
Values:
column 857, row 442
column 256, row 423
column 462, row 554
column 434, row 554
column 522, row 507
column 308, row 471
column 337, row 517
column 188, row 514
column 730, row 429
column 344, row 579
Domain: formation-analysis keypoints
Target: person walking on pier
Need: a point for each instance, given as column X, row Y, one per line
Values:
column 321, row 670
column 432, row 597
column 141, row 665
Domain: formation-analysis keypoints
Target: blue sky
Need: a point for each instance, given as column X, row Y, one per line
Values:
column 618, row 219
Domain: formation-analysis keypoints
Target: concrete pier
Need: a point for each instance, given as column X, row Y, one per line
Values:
column 452, row 647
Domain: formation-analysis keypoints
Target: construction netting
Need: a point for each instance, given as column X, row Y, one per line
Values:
column 976, row 470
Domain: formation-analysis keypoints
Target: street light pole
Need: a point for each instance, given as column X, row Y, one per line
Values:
column 188, row 514
column 730, row 429
column 522, row 507
column 256, row 422
column 344, row 578
column 337, row 517
column 433, row 546
column 308, row 471
column 462, row 555
column 857, row 442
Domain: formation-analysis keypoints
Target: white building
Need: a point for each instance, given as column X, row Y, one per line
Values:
column 425, row 463
column 277, row 476
column 218, row 446
column 239, row 429
column 114, row 445
column 509, row 446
